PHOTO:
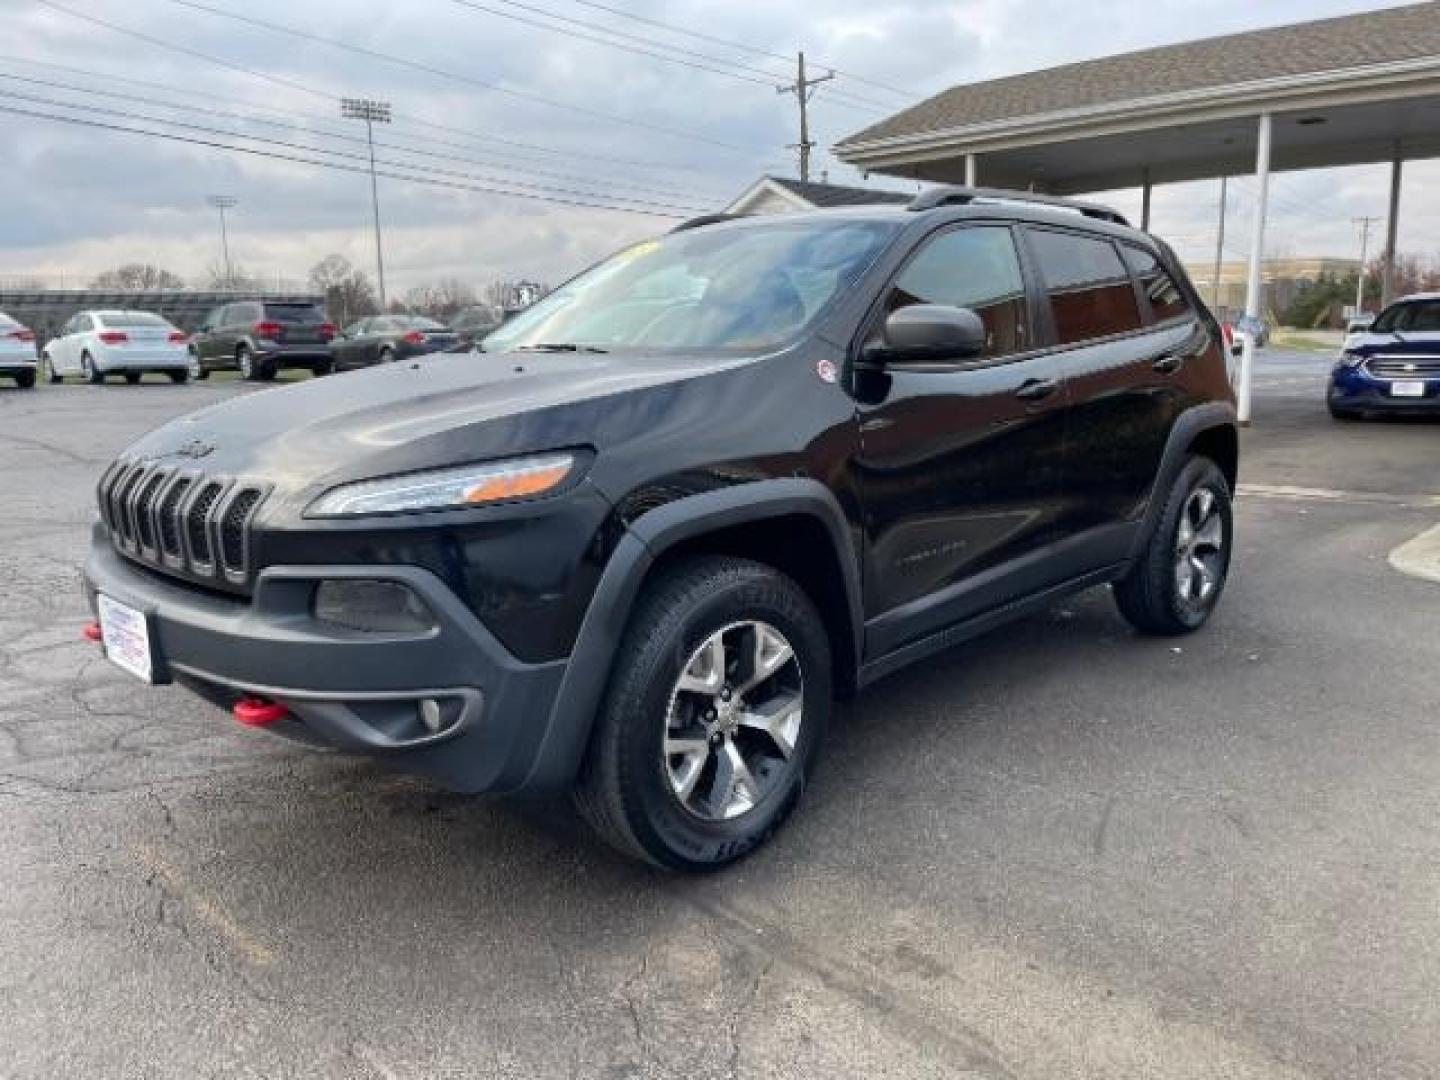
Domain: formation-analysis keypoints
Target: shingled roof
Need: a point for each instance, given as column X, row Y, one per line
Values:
column 1354, row 41
column 824, row 196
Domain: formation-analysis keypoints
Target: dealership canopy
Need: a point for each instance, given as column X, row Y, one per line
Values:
column 1346, row 91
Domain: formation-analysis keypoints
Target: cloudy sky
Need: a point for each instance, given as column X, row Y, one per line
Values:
column 514, row 118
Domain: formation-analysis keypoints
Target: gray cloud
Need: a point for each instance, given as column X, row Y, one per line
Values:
column 78, row 200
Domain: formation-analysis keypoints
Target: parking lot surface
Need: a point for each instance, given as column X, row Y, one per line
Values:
column 1059, row 851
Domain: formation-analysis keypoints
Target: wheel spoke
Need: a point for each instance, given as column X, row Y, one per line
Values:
column 779, row 719
column 693, row 754
column 771, row 653
column 1186, row 532
column 1184, row 577
column 1211, row 535
column 706, row 671
column 735, row 789
column 1204, row 503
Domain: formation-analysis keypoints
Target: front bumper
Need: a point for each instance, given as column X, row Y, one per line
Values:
column 355, row 691
column 1354, row 389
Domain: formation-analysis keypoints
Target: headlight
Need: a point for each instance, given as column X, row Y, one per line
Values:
column 1350, row 359
column 444, row 489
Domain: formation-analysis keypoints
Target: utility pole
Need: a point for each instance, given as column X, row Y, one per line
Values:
column 1364, row 223
column 223, row 203
column 372, row 112
column 1220, row 242
column 804, row 89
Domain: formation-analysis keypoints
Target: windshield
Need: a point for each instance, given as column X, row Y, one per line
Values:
column 739, row 287
column 419, row 322
column 1415, row 315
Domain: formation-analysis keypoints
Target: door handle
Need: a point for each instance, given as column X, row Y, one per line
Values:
column 1168, row 364
column 1036, row 389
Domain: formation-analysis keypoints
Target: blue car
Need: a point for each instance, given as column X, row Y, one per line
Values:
column 1392, row 366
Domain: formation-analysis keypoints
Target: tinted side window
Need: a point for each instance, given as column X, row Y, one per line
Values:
column 1090, row 290
column 976, row 268
column 1166, row 299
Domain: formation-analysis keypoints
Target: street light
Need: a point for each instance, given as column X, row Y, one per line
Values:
column 223, row 203
column 372, row 112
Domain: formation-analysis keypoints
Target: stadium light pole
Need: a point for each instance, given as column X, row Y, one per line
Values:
column 372, row 112
column 223, row 203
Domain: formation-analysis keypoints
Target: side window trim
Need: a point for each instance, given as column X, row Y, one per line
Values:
column 875, row 311
column 1147, row 308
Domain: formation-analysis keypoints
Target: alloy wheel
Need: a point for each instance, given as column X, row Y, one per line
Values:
column 247, row 365
column 1199, row 547
column 733, row 721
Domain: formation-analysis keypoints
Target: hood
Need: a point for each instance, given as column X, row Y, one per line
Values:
column 1410, row 343
column 401, row 417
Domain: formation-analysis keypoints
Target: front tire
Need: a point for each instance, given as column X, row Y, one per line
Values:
column 179, row 378
column 1177, row 581
column 713, row 716
column 197, row 370
column 245, row 360
column 91, row 374
column 133, row 378
column 51, row 375
column 1337, row 413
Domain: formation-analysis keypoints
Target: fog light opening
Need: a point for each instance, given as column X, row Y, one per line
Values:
column 431, row 715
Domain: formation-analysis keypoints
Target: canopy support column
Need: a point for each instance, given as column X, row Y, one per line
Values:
column 1392, row 230
column 1145, row 200
column 971, row 171
column 1257, row 247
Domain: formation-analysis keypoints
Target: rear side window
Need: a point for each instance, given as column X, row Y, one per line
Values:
column 301, row 314
column 1166, row 299
column 132, row 319
column 1413, row 315
column 976, row 268
column 1090, row 291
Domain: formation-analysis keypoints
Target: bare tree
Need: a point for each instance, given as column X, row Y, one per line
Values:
column 137, row 277
column 233, row 278
column 348, row 292
column 441, row 300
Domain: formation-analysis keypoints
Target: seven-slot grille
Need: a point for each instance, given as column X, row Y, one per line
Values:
column 192, row 525
column 1404, row 367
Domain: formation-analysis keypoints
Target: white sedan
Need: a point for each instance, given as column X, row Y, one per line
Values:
column 94, row 344
column 17, row 352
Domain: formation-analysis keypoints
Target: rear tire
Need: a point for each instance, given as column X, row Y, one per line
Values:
column 320, row 370
column 93, row 375
column 197, row 370
column 675, row 775
column 245, row 360
column 1177, row 581
column 179, row 378
column 387, row 355
column 25, row 380
column 133, row 378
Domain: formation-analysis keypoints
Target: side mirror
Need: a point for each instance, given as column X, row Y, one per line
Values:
column 930, row 334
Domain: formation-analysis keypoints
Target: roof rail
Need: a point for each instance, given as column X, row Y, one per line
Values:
column 951, row 195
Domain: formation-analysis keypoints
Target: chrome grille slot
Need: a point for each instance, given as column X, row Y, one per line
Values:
column 233, row 529
column 197, row 525
column 144, row 503
column 169, row 515
column 1404, row 367
column 191, row 526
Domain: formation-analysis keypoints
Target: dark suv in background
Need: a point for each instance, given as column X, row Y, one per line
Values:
column 684, row 501
column 261, row 338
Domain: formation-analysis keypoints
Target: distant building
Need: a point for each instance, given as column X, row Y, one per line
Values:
column 1281, row 279
column 781, row 195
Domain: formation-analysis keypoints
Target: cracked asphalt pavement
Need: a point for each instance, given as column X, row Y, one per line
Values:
column 1059, row 851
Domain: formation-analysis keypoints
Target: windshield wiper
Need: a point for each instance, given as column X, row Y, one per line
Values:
column 560, row 346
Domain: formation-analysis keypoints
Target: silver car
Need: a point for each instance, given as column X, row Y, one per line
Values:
column 17, row 352
column 94, row 344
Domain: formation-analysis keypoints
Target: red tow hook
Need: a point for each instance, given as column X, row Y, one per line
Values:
column 258, row 711
column 92, row 632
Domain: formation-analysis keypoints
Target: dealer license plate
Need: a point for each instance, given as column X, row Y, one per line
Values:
column 126, row 634
column 1410, row 388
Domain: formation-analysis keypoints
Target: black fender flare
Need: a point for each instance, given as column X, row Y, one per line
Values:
column 567, row 733
column 1191, row 423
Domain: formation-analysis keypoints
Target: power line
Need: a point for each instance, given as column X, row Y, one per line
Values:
column 739, row 46
column 432, row 177
column 476, row 138
column 343, row 137
column 708, row 63
column 429, row 69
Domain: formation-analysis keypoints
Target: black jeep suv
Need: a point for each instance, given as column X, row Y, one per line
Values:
column 634, row 548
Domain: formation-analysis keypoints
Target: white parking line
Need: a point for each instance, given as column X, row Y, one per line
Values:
column 1420, row 556
column 1309, row 494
